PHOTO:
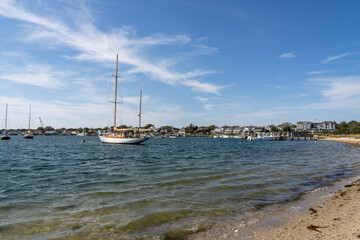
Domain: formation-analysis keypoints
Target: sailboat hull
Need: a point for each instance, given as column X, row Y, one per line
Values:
column 5, row 137
column 29, row 136
column 114, row 140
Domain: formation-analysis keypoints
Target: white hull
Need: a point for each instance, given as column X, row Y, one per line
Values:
column 113, row 140
column 28, row 136
column 224, row 136
column 250, row 138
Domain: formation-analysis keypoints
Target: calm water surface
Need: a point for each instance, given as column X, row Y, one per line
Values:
column 58, row 187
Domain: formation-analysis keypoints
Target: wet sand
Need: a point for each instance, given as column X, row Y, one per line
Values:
column 335, row 218
column 334, row 215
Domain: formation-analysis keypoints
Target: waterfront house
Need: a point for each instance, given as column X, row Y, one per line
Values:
column 259, row 129
column 182, row 132
column 236, row 130
column 317, row 126
column 303, row 126
column 218, row 130
column 228, row 130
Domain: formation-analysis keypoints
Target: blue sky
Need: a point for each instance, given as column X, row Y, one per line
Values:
column 201, row 62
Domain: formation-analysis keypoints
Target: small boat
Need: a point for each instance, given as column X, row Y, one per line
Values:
column 259, row 138
column 81, row 134
column 224, row 136
column 5, row 136
column 29, row 135
column 125, row 135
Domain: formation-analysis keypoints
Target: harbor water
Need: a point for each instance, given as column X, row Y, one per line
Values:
column 60, row 187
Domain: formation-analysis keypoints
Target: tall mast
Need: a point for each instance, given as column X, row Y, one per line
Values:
column 6, row 117
column 140, row 111
column 115, row 92
column 29, row 119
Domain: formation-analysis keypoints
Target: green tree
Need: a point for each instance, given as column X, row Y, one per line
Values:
column 354, row 127
column 49, row 128
column 343, row 127
column 168, row 129
column 212, row 128
column 123, row 126
column 286, row 126
column 272, row 127
column 62, row 129
column 191, row 128
column 148, row 126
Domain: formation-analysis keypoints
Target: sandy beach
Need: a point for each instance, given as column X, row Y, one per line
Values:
column 349, row 140
column 334, row 216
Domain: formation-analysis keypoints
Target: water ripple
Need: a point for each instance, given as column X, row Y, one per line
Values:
column 58, row 187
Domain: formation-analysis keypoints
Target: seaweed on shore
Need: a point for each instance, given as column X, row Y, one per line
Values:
column 342, row 193
column 312, row 210
column 181, row 234
column 314, row 228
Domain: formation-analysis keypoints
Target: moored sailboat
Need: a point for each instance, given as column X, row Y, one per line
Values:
column 5, row 136
column 125, row 135
column 28, row 134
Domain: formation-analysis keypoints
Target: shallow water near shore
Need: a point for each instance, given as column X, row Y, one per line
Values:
column 59, row 187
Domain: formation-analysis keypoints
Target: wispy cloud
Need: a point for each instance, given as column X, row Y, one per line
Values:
column 54, row 113
column 339, row 93
column 332, row 58
column 94, row 45
column 277, row 86
column 203, row 87
column 37, row 75
column 12, row 54
column 263, row 114
column 315, row 72
column 201, row 99
column 300, row 95
column 341, row 87
column 209, row 106
column 72, row 114
column 287, row 55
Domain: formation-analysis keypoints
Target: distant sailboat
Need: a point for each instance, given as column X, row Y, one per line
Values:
column 29, row 135
column 125, row 135
column 5, row 136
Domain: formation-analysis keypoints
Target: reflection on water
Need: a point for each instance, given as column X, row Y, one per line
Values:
column 58, row 187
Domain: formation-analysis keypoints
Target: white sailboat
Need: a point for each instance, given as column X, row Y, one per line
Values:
column 29, row 135
column 126, row 135
column 5, row 136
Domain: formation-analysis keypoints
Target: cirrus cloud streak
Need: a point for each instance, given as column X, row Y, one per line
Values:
column 92, row 44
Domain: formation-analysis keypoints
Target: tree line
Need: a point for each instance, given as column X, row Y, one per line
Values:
column 350, row 127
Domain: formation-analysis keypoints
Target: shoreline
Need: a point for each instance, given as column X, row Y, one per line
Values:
column 329, row 212
column 348, row 140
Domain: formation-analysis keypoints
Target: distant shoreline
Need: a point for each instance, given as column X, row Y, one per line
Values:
column 335, row 217
column 349, row 140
